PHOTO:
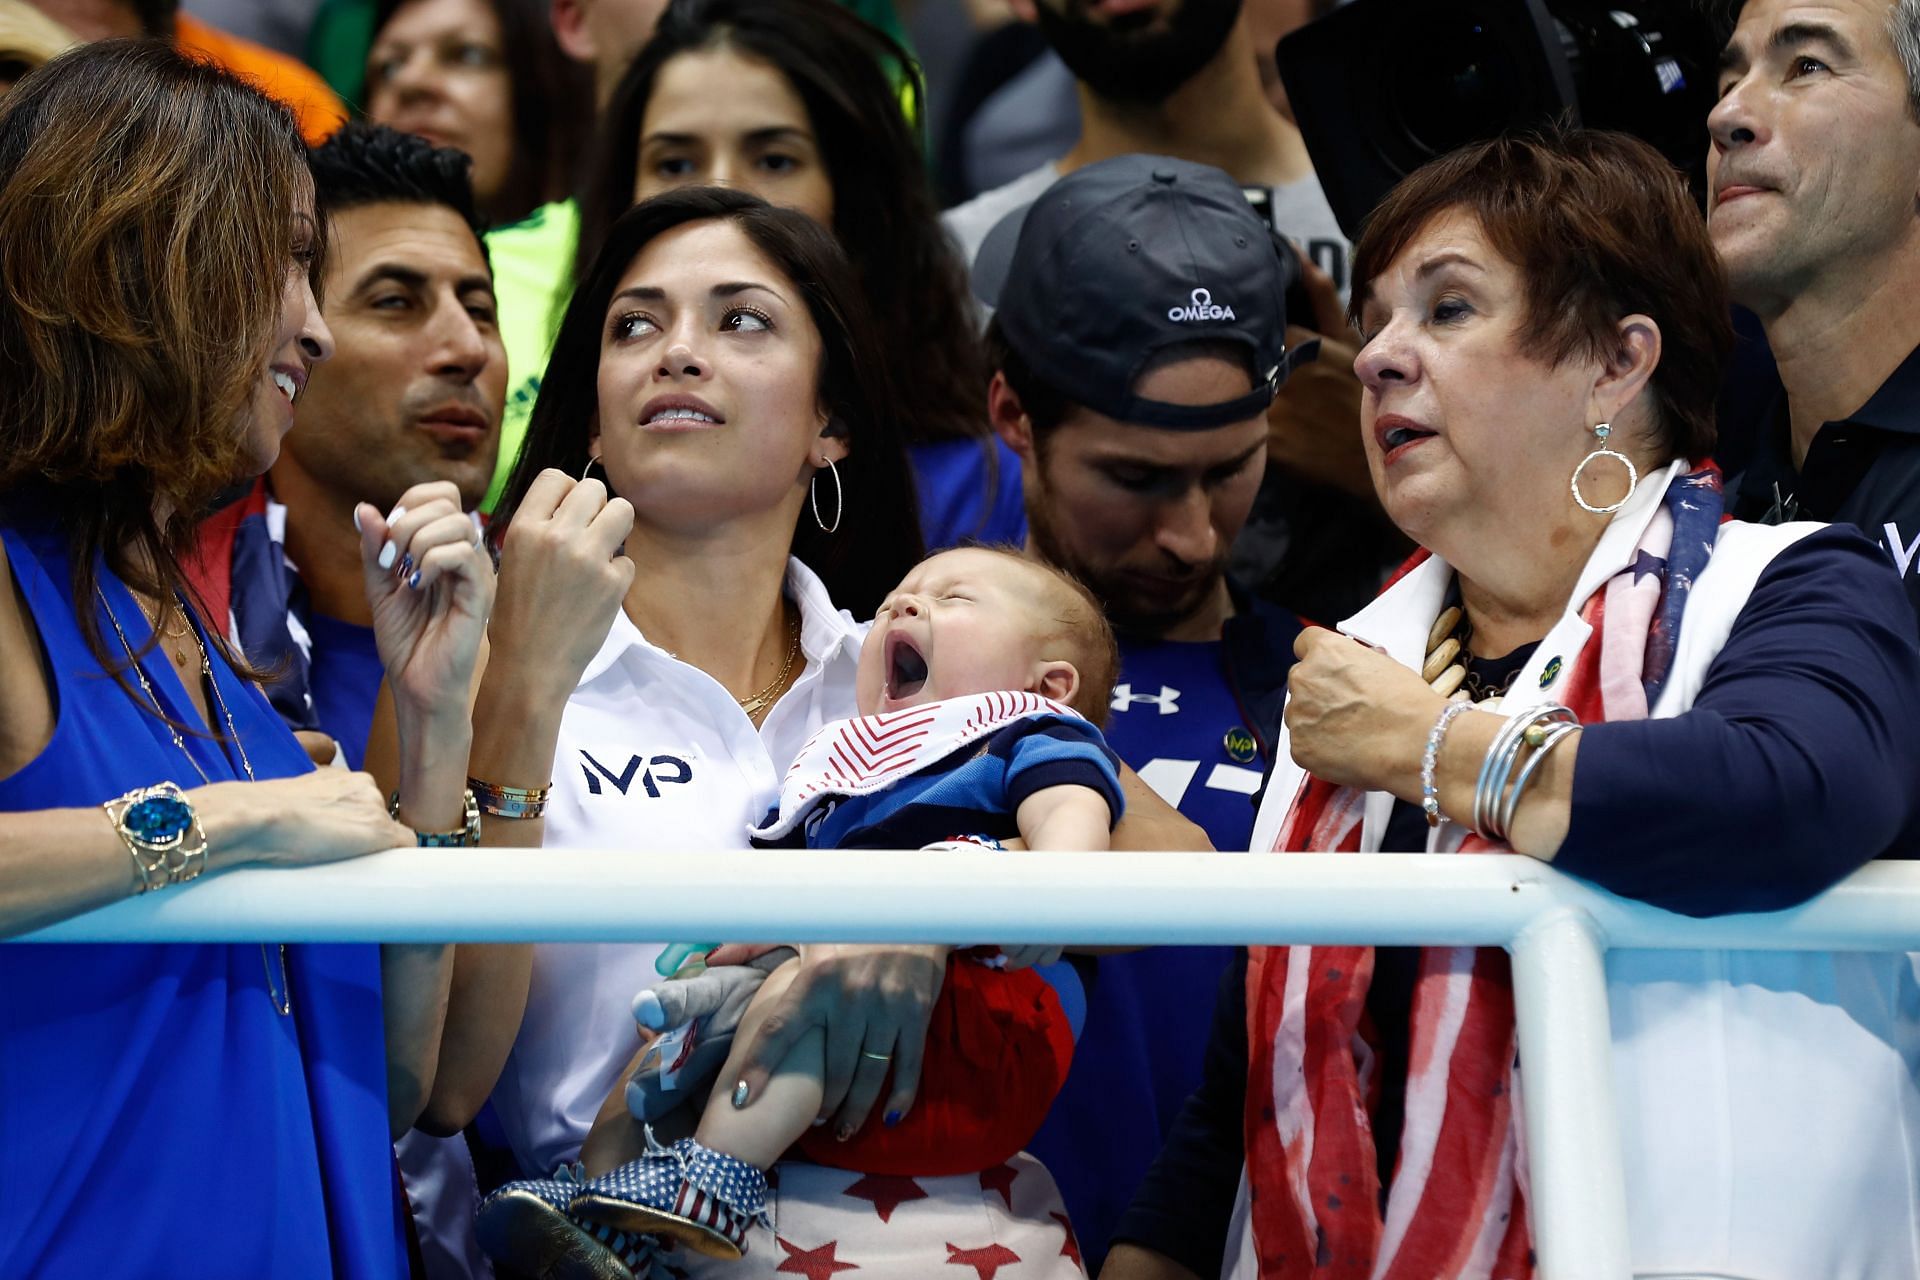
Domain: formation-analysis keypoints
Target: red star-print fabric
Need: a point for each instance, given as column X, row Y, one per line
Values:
column 1005, row 1223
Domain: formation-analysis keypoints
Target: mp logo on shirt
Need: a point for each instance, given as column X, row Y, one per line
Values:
column 652, row 773
column 1904, row 553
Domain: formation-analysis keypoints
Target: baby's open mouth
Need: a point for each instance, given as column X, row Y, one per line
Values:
column 906, row 668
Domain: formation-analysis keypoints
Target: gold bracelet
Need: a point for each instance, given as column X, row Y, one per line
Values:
column 466, row 836
column 501, row 801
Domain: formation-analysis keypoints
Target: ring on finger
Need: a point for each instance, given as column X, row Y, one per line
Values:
column 877, row 1057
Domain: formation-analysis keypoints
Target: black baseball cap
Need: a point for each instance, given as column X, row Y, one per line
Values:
column 1123, row 258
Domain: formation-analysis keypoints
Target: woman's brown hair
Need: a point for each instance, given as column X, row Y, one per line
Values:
column 1601, row 227
column 147, row 206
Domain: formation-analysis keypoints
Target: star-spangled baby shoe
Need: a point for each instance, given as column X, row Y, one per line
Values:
column 526, row 1226
column 687, row 1192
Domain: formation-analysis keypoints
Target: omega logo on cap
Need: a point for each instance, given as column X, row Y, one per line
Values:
column 1202, row 308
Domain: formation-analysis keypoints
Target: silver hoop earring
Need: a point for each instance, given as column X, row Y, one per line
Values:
column 587, row 470
column 1603, row 430
column 839, row 499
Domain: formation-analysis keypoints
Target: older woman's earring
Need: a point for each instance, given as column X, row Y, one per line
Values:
column 1603, row 430
column 839, row 497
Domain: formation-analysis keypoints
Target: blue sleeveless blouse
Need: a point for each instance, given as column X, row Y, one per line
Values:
column 158, row 1115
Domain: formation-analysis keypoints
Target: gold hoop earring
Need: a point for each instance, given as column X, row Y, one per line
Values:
column 1602, row 431
column 839, row 498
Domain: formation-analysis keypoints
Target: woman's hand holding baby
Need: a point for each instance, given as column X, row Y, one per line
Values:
column 873, row 1003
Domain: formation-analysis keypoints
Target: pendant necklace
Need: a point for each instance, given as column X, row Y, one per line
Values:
column 282, row 999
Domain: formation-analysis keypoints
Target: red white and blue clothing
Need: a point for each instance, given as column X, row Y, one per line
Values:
column 1000, row 1042
column 1196, row 720
column 1770, row 1102
column 325, row 673
column 956, row 767
column 655, row 758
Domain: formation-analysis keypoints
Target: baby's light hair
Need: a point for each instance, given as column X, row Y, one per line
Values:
column 1080, row 629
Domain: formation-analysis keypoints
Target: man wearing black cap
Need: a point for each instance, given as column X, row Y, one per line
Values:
column 1183, row 78
column 1138, row 340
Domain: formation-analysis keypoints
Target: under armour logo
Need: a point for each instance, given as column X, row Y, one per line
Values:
column 1168, row 700
column 671, row 769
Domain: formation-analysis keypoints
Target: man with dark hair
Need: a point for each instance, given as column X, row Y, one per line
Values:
column 1138, row 341
column 1184, row 78
column 413, row 395
column 1814, row 177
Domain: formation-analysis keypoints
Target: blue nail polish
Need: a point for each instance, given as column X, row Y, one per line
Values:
column 406, row 564
column 740, row 1095
column 414, row 581
column 892, row 1118
column 846, row 1131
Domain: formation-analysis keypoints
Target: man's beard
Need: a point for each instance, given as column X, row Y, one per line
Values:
column 1126, row 63
column 1125, row 609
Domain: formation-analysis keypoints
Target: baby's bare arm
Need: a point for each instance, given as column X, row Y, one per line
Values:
column 781, row 1111
column 1066, row 817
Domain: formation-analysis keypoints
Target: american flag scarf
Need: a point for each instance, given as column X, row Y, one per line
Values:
column 1456, row 1209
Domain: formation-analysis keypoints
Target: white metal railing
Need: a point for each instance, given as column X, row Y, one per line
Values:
column 1557, row 929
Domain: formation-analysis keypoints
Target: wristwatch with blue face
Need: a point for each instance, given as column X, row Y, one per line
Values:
column 162, row 832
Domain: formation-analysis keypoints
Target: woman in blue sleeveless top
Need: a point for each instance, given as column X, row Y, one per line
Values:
column 188, row 1110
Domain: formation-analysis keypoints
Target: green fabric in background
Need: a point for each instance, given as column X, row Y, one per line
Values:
column 338, row 44
column 532, row 278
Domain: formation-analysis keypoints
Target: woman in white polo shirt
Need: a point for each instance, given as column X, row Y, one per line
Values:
column 662, row 670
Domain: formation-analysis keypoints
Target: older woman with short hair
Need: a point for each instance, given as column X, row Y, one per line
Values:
column 1589, row 666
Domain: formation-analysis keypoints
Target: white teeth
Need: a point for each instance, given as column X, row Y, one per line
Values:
column 690, row 415
column 288, row 387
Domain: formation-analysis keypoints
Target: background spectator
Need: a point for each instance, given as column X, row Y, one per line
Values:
column 484, row 76
column 286, row 79
column 810, row 118
column 1812, row 211
column 1181, row 78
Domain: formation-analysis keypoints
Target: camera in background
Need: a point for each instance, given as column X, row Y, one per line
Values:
column 1380, row 87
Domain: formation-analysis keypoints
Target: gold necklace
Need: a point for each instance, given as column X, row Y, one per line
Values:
column 282, row 999
column 760, row 701
column 166, row 628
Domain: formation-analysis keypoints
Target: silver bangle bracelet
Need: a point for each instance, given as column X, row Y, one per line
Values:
column 1491, row 809
column 1560, row 730
column 1493, row 773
